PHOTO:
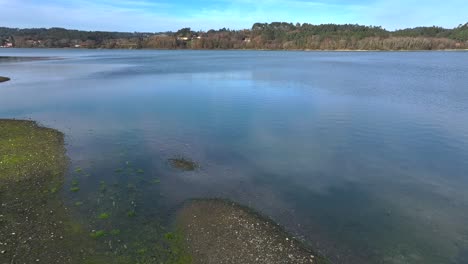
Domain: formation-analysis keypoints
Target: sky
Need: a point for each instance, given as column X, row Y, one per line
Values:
column 171, row 15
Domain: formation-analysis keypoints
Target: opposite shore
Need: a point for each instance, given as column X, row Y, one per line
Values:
column 261, row 36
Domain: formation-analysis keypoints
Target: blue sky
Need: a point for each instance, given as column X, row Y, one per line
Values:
column 164, row 15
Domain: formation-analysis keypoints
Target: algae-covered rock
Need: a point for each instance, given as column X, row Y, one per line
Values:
column 218, row 231
column 183, row 164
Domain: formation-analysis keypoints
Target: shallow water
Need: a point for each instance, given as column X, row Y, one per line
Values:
column 363, row 155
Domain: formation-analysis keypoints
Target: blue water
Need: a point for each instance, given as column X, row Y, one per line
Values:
column 362, row 155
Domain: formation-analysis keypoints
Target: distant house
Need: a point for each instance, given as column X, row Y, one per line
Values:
column 247, row 40
column 7, row 45
column 183, row 38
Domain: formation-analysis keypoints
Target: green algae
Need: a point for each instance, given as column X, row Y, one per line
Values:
column 169, row 236
column 178, row 252
column 115, row 232
column 131, row 213
column 142, row 251
column 98, row 234
column 102, row 186
column 103, row 216
column 74, row 185
column 156, row 181
column 75, row 182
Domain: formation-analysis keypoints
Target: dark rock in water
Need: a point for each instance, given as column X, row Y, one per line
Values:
column 183, row 164
column 4, row 79
column 217, row 231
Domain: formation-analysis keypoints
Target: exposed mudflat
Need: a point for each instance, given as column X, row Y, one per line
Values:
column 24, row 58
column 218, row 231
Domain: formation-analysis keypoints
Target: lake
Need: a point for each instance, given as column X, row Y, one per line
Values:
column 363, row 155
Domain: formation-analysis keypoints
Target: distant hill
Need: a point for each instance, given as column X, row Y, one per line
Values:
column 277, row 36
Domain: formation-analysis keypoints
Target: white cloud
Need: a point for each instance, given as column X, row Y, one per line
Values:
column 152, row 16
column 396, row 14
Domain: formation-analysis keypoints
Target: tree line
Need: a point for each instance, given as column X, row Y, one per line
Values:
column 276, row 35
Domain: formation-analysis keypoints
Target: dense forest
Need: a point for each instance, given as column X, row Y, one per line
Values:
column 277, row 35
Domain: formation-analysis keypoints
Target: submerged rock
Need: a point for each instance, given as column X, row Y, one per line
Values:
column 4, row 79
column 183, row 164
column 218, row 231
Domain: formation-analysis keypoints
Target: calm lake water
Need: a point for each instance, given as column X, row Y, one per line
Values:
column 362, row 155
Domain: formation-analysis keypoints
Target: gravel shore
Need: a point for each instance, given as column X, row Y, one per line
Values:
column 218, row 231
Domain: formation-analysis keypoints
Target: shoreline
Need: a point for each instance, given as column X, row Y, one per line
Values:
column 32, row 176
column 293, row 50
column 222, row 231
